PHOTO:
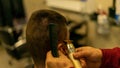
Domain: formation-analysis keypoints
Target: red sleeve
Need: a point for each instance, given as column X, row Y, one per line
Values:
column 111, row 58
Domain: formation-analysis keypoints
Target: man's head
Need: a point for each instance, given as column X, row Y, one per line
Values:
column 37, row 33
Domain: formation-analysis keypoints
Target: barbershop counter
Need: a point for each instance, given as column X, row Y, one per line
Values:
column 110, row 40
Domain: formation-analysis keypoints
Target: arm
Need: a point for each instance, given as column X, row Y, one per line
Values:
column 111, row 58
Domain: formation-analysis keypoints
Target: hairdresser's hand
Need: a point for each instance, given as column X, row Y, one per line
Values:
column 61, row 62
column 91, row 56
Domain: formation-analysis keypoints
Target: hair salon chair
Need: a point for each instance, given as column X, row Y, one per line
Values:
column 77, row 37
column 17, row 50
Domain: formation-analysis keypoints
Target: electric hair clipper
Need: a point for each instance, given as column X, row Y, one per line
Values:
column 71, row 50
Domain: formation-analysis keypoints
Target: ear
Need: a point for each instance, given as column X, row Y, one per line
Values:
column 62, row 47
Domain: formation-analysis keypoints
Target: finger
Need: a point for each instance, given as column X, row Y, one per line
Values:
column 83, row 63
column 81, row 54
column 79, row 49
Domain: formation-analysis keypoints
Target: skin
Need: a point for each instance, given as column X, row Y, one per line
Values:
column 58, row 62
column 89, row 57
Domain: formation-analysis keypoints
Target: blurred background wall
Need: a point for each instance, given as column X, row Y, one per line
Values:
column 31, row 5
column 17, row 30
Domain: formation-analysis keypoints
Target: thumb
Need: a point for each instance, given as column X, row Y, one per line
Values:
column 80, row 54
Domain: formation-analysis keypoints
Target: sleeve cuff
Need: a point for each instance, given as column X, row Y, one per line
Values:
column 106, row 58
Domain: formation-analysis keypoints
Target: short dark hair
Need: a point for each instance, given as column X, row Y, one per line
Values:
column 37, row 32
